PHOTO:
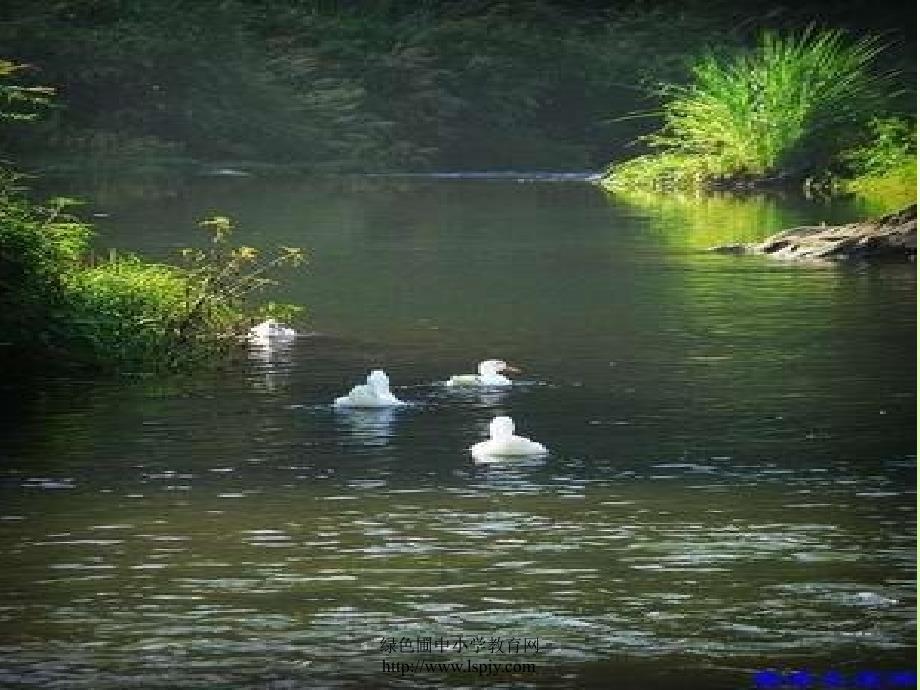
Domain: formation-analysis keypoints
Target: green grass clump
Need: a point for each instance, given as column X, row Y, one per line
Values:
column 781, row 110
column 664, row 171
column 128, row 313
column 885, row 169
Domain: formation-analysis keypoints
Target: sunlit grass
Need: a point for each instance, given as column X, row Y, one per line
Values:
column 783, row 109
column 126, row 311
column 889, row 192
column 886, row 167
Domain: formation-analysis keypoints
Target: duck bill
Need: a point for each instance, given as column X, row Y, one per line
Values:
column 513, row 370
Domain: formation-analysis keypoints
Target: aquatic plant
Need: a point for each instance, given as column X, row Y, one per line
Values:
column 782, row 110
column 222, row 278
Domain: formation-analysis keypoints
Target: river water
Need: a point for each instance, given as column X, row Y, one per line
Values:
column 730, row 487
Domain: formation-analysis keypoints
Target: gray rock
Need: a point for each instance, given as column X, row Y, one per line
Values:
column 890, row 237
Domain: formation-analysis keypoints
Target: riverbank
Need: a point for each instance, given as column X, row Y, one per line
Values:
column 814, row 108
column 65, row 306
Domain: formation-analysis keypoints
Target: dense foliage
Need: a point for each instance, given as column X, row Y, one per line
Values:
column 373, row 85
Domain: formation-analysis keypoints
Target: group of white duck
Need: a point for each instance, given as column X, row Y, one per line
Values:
column 502, row 441
column 376, row 393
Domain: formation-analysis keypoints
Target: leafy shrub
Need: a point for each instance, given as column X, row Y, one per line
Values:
column 38, row 245
column 122, row 313
column 125, row 312
column 780, row 110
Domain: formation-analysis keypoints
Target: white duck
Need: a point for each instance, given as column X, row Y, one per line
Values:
column 488, row 375
column 271, row 329
column 503, row 442
column 375, row 393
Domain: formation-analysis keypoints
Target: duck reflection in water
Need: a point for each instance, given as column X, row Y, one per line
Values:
column 480, row 397
column 274, row 357
column 372, row 426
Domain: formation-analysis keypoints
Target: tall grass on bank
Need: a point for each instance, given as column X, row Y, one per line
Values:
column 885, row 167
column 59, row 307
column 782, row 110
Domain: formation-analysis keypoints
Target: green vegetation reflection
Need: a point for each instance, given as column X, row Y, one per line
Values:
column 702, row 220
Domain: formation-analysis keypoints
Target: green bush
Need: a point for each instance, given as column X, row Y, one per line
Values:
column 123, row 312
column 782, row 110
column 38, row 245
column 59, row 307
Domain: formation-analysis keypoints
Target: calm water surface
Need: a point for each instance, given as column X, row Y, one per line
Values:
column 731, row 485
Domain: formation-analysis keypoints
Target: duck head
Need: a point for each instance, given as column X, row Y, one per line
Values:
column 492, row 367
column 378, row 382
column 501, row 428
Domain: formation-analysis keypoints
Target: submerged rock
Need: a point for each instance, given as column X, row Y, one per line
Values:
column 893, row 236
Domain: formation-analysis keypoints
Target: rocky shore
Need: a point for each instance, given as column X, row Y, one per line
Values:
column 893, row 236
